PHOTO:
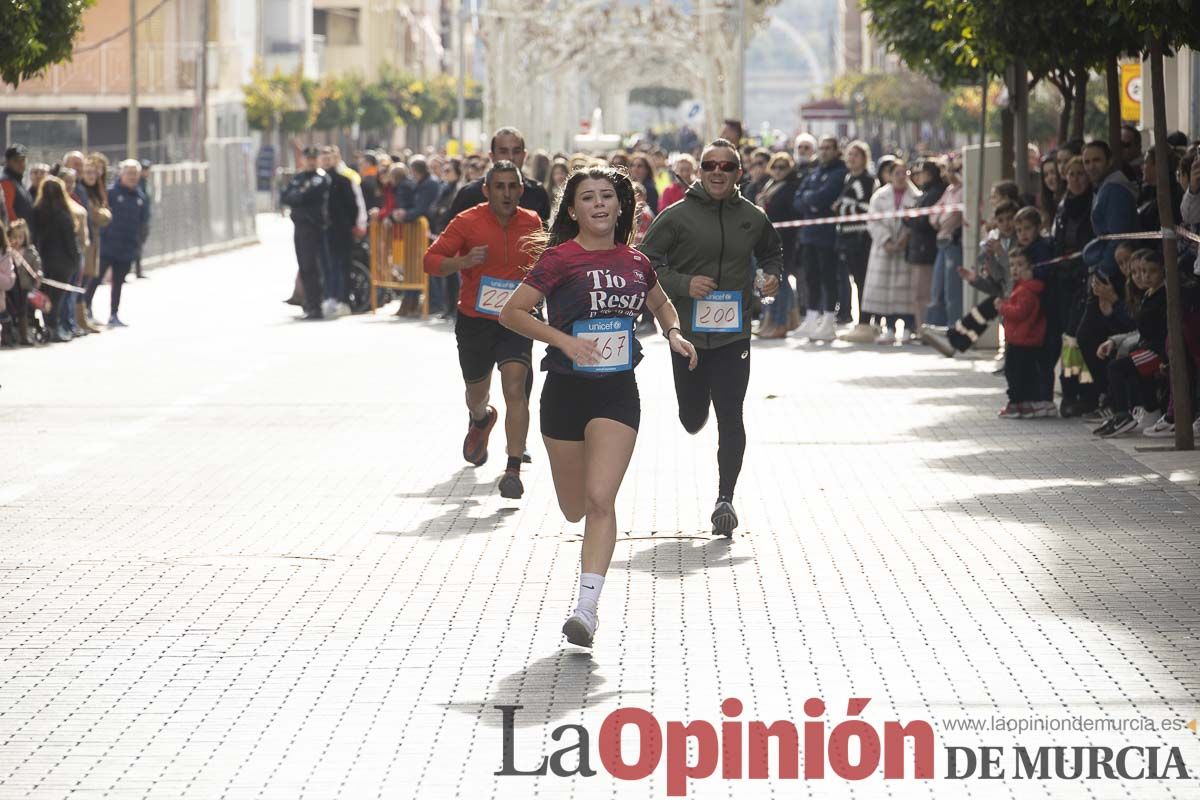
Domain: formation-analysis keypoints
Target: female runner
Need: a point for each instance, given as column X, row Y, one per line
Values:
column 596, row 286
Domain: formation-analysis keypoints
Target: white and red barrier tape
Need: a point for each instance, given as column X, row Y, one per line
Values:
column 903, row 213
column 1178, row 231
column 64, row 286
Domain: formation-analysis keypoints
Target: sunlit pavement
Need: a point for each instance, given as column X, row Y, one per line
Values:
column 242, row 557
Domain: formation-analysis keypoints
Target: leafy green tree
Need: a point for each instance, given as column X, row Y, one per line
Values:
column 36, row 34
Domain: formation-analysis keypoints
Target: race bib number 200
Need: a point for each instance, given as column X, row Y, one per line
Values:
column 614, row 338
column 493, row 294
column 718, row 312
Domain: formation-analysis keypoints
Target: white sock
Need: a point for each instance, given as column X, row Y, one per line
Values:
column 590, row 585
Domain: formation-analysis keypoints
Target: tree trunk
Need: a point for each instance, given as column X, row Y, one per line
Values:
column 1006, row 141
column 1181, row 390
column 1113, row 74
column 980, row 213
column 1064, row 116
column 1079, row 118
column 1021, row 139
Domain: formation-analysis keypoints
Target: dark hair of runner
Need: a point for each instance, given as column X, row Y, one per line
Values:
column 564, row 229
column 499, row 166
column 507, row 132
column 715, row 143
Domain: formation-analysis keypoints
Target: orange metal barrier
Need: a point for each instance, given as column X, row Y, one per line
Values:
column 397, row 259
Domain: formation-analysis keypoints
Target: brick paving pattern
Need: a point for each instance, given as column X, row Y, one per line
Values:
column 242, row 558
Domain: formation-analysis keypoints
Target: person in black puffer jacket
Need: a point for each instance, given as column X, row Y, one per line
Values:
column 55, row 240
column 921, row 251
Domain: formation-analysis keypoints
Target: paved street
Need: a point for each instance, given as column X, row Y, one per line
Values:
column 242, row 558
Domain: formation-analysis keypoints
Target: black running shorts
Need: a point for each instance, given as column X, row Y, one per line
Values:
column 483, row 343
column 569, row 403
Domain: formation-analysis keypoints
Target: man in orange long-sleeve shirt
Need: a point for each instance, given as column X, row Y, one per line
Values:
column 483, row 244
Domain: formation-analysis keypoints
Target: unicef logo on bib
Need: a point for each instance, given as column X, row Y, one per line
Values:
column 613, row 337
column 493, row 294
column 718, row 312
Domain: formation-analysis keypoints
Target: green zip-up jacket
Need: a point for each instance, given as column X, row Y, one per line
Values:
column 721, row 239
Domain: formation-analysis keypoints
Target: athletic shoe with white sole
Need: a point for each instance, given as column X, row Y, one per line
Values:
column 1161, row 429
column 934, row 338
column 807, row 328
column 724, row 518
column 827, row 328
column 1145, row 419
column 1044, row 409
column 579, row 630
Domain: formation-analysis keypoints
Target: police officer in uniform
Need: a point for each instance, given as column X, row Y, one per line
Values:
column 308, row 196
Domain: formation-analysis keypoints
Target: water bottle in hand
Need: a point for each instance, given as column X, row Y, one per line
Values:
column 760, row 280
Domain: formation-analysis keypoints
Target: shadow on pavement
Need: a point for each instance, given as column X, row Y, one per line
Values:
column 548, row 689
column 679, row 558
column 456, row 496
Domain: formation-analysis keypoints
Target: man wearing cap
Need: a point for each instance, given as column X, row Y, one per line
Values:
column 308, row 196
column 18, row 203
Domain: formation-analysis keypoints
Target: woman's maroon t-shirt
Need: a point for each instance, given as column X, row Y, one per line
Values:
column 584, row 284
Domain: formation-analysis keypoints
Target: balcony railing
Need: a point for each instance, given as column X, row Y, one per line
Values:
column 162, row 69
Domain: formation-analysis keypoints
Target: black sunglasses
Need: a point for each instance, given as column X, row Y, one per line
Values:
column 724, row 166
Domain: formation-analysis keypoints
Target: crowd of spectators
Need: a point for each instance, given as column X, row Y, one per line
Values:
column 1082, row 320
column 64, row 229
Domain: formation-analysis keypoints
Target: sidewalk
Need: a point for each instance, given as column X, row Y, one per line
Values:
column 242, row 558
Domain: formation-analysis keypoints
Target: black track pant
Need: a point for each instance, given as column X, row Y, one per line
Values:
column 308, row 241
column 720, row 379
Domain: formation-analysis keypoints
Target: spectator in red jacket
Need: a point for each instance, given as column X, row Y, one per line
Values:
column 1024, row 335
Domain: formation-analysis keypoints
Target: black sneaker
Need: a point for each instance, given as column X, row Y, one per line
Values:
column 1105, row 427
column 511, row 487
column 724, row 518
column 1098, row 415
column 1123, row 423
column 313, row 315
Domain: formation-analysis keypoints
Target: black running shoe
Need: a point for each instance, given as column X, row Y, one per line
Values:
column 724, row 518
column 511, row 487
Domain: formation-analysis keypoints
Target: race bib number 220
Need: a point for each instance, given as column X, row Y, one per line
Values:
column 493, row 294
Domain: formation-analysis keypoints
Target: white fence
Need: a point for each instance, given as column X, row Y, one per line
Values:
column 202, row 207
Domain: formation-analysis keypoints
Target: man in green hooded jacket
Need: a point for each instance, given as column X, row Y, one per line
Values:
column 706, row 249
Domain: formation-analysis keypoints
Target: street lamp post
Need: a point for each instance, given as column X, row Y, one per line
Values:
column 131, row 124
column 463, row 16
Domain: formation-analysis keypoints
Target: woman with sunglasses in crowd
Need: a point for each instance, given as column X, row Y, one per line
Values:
column 705, row 249
column 595, row 286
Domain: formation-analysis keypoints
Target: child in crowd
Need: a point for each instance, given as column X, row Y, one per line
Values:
column 29, row 277
column 8, row 279
column 1025, row 333
column 1137, row 358
column 1040, row 249
column 992, row 276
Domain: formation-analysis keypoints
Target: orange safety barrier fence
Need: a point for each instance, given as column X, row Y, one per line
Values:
column 397, row 259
